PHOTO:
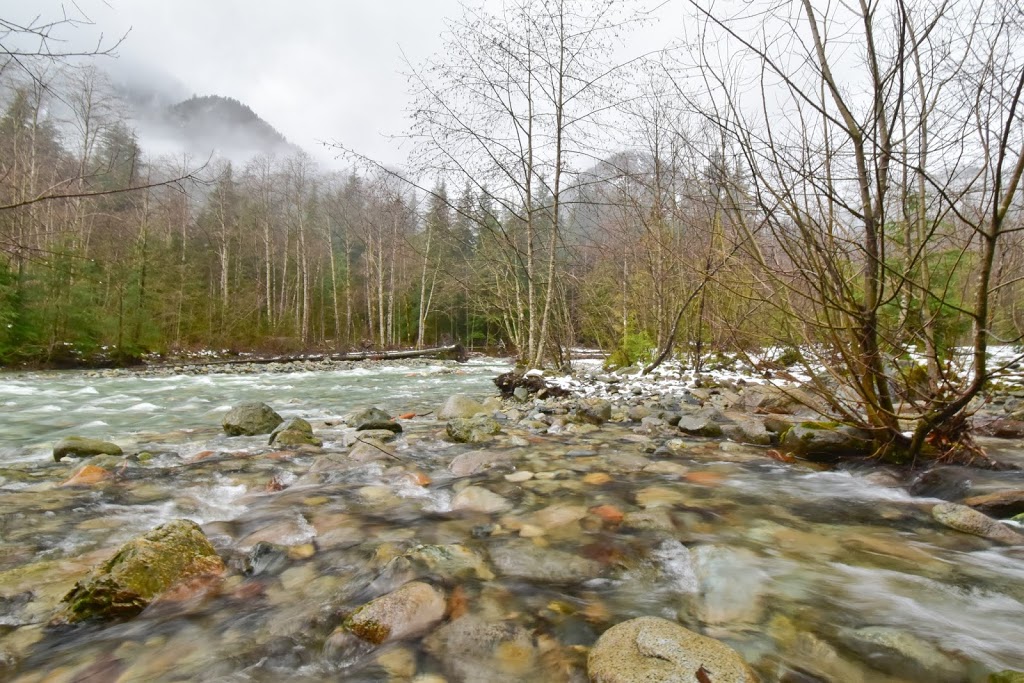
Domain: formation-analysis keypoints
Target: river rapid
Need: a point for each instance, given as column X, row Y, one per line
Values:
column 811, row 575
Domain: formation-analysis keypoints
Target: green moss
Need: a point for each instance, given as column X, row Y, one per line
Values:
column 821, row 424
column 1007, row 676
column 142, row 569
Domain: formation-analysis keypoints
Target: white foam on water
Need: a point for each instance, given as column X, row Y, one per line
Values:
column 18, row 390
column 86, row 391
column 982, row 624
column 142, row 408
column 48, row 408
column 95, row 423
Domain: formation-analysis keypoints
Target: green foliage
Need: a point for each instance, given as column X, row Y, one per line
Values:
column 635, row 346
column 935, row 290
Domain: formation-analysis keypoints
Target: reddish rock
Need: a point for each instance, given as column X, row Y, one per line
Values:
column 89, row 475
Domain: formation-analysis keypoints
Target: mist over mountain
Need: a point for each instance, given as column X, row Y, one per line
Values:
column 168, row 122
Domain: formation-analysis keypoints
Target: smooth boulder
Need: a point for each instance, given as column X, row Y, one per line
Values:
column 373, row 419
column 656, row 650
column 970, row 521
column 595, row 411
column 140, row 570
column 474, row 650
column 250, row 419
column 294, row 432
column 410, row 611
column 530, row 562
column 475, row 429
column 460, row 405
column 81, row 447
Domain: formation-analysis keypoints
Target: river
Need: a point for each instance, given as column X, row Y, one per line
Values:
column 809, row 574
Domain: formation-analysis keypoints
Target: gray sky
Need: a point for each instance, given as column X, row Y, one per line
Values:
column 315, row 69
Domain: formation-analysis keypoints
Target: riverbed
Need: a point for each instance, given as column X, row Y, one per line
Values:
column 809, row 574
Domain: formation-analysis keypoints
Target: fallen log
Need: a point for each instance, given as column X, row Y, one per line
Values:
column 454, row 352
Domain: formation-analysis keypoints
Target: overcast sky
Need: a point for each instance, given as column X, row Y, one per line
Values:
column 315, row 69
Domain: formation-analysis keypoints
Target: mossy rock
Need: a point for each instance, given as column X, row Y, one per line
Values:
column 1007, row 676
column 294, row 432
column 82, row 447
column 475, row 429
column 826, row 441
column 140, row 570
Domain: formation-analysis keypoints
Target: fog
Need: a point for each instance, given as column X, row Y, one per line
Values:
column 317, row 70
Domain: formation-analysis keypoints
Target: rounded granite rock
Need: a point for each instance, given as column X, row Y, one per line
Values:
column 656, row 650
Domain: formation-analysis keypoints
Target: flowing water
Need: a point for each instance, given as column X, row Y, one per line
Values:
column 810, row 575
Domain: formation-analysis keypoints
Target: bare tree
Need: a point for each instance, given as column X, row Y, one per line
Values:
column 869, row 168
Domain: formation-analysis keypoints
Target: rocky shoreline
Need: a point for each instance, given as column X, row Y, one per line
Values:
column 615, row 534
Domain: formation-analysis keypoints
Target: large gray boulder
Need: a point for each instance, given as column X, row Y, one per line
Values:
column 656, row 650
column 460, row 405
column 81, row 447
column 250, row 419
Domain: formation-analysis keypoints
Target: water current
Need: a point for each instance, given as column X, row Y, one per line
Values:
column 810, row 575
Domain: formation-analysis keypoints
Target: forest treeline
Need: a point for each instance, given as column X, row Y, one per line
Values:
column 842, row 182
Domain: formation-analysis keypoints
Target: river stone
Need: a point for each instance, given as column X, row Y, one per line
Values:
column 730, row 583
column 250, row 419
column 294, row 432
column 970, row 521
column 656, row 650
column 373, row 418
column 448, row 562
column 479, row 499
column 368, row 449
column 473, row 650
column 474, row 462
column 903, row 654
column 410, row 611
column 946, row 482
column 140, row 570
column 522, row 559
column 594, row 410
column 81, row 447
column 748, row 431
column 472, row 429
column 702, row 423
column 459, row 405
column 1000, row 504
column 820, row 442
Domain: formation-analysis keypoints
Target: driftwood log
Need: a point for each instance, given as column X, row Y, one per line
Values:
column 454, row 352
column 508, row 382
